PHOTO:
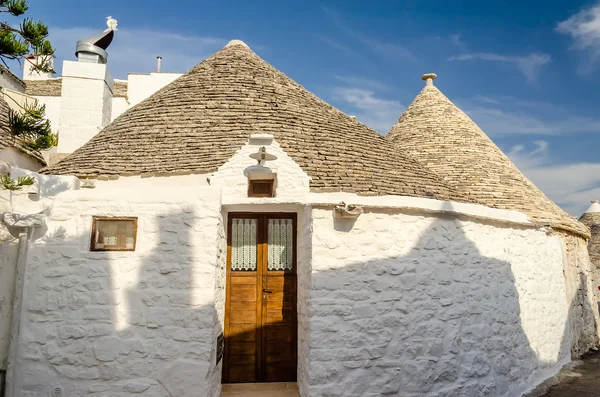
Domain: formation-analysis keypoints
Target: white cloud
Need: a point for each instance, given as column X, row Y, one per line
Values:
column 376, row 112
column 584, row 29
column 383, row 48
column 529, row 65
column 387, row 50
column 456, row 40
column 485, row 99
column 135, row 50
column 363, row 82
column 572, row 186
column 509, row 115
column 337, row 45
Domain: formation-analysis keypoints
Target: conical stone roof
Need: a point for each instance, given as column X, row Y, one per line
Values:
column 443, row 138
column 195, row 124
column 591, row 218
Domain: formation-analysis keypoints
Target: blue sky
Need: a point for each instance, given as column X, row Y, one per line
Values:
column 527, row 74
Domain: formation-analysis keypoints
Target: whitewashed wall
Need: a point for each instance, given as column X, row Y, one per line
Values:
column 52, row 110
column 17, row 158
column 412, row 305
column 141, row 86
column 428, row 299
column 119, row 105
column 9, row 82
column 582, row 281
column 291, row 182
column 122, row 323
column 8, row 254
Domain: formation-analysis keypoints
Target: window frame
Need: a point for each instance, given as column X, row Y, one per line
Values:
column 252, row 193
column 95, row 219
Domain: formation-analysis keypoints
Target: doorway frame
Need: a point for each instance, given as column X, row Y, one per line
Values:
column 262, row 245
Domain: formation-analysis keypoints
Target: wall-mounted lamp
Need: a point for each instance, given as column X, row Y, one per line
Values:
column 261, row 156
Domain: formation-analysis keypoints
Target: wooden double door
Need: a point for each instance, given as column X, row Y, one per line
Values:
column 260, row 309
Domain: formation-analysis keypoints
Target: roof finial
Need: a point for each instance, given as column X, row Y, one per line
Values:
column 428, row 78
column 236, row 42
column 595, row 207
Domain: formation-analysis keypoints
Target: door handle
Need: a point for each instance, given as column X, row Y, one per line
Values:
column 268, row 291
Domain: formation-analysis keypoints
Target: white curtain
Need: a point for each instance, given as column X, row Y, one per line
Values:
column 281, row 244
column 243, row 244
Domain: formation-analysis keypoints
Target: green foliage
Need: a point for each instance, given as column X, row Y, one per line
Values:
column 6, row 182
column 31, row 128
column 29, row 37
column 15, row 7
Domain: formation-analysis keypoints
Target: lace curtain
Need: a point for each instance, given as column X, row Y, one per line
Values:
column 280, row 244
column 243, row 244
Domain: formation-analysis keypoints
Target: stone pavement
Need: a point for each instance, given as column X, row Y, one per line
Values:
column 260, row 390
column 581, row 378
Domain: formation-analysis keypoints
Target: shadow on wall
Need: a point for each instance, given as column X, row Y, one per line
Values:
column 438, row 318
column 122, row 323
column 442, row 320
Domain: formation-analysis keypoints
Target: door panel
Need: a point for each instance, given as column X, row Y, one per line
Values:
column 260, row 314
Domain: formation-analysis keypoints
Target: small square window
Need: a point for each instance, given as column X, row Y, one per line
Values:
column 260, row 188
column 114, row 234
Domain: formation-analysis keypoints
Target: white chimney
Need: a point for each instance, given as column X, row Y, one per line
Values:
column 87, row 92
column 29, row 71
column 158, row 63
column 85, row 104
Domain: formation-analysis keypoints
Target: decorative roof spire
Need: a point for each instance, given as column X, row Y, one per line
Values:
column 595, row 207
column 445, row 140
column 236, row 42
column 428, row 78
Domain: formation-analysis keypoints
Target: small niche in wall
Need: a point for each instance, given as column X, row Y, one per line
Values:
column 261, row 188
column 113, row 234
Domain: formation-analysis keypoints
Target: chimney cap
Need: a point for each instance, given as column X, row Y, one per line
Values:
column 236, row 42
column 428, row 78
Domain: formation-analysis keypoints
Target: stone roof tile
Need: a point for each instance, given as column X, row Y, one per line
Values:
column 591, row 218
column 443, row 138
column 196, row 123
column 50, row 87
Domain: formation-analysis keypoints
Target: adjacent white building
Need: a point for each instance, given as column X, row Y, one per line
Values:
column 232, row 228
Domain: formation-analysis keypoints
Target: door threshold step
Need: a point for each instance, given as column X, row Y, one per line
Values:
column 249, row 389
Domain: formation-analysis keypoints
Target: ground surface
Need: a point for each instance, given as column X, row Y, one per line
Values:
column 260, row 390
column 580, row 378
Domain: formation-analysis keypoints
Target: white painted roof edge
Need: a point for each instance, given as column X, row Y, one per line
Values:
column 595, row 207
column 418, row 203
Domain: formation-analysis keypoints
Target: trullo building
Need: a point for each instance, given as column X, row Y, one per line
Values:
column 233, row 227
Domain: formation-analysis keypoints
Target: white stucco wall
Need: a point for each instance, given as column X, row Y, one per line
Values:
column 403, row 304
column 8, row 254
column 123, row 322
column 9, row 82
column 16, row 158
column 52, row 110
column 119, row 105
column 582, row 282
column 141, row 86
column 291, row 182
column 416, row 297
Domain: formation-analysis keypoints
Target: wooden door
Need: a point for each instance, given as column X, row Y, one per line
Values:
column 260, row 312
